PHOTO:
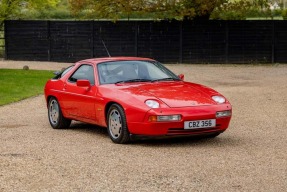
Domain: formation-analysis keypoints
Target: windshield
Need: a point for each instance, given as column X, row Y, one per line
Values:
column 133, row 71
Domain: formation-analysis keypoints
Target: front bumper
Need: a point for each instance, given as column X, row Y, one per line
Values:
column 198, row 135
column 176, row 128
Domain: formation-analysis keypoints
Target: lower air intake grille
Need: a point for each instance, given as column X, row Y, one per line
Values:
column 181, row 131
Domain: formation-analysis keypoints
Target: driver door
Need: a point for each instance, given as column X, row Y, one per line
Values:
column 80, row 101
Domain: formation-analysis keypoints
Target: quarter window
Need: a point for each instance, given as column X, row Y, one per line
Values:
column 83, row 72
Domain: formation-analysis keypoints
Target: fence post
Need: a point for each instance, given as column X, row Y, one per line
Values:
column 273, row 42
column 5, row 40
column 136, row 38
column 49, row 39
column 226, row 41
column 93, row 37
column 180, row 41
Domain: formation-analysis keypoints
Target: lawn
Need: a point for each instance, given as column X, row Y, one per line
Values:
column 16, row 84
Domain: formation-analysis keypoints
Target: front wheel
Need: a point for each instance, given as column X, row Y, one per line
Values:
column 117, row 125
column 56, row 118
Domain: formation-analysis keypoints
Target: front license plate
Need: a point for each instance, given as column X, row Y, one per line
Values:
column 199, row 124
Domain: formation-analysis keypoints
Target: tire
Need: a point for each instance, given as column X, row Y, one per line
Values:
column 117, row 125
column 55, row 116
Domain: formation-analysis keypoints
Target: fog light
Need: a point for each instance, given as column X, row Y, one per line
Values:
column 165, row 118
column 223, row 114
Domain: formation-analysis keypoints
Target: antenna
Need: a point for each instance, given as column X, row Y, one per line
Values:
column 106, row 48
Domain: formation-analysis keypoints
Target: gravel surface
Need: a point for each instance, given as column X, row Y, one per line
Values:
column 249, row 156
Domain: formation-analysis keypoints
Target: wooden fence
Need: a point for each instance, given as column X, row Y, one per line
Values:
column 166, row 41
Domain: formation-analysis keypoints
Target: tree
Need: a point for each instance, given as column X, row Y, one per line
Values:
column 51, row 9
column 156, row 9
column 16, row 9
column 200, row 9
column 9, row 9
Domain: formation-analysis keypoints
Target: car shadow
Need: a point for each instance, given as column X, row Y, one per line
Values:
column 89, row 128
column 223, row 139
column 198, row 141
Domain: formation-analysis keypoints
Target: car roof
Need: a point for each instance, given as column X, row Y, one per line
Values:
column 107, row 59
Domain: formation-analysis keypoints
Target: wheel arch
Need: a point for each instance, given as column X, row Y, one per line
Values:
column 107, row 107
column 48, row 99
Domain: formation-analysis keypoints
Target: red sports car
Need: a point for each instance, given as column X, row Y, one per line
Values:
column 132, row 97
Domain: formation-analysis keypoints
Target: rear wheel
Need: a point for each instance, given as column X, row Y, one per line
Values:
column 56, row 118
column 117, row 125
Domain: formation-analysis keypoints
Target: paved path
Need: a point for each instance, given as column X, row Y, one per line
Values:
column 249, row 156
column 38, row 65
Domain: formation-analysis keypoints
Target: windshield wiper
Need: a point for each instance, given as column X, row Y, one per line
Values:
column 133, row 80
column 166, row 79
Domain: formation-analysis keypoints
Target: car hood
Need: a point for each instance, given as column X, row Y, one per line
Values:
column 173, row 94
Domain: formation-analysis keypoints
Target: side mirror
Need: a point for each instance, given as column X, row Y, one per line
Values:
column 83, row 83
column 181, row 76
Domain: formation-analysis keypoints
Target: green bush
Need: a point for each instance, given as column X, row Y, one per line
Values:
column 47, row 14
column 235, row 10
column 284, row 14
column 228, row 15
column 242, row 9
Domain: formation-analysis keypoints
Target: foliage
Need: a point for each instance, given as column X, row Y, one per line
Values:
column 284, row 14
column 135, row 9
column 15, row 9
column 57, row 10
column 241, row 9
column 9, row 9
column 266, row 13
column 157, row 9
column 20, row 84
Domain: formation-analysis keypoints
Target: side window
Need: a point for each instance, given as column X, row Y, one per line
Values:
column 66, row 70
column 83, row 72
column 61, row 74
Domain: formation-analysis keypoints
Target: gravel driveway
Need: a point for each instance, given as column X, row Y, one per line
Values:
column 250, row 156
